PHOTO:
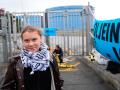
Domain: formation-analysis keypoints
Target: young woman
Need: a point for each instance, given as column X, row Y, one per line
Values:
column 33, row 69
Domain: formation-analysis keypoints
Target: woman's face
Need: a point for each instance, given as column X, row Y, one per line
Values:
column 31, row 41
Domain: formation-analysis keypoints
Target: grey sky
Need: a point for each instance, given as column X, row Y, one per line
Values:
column 104, row 9
column 37, row 5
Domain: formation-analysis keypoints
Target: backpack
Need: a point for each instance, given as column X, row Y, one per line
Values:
column 113, row 67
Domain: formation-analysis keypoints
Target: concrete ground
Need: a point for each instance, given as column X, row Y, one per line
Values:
column 84, row 77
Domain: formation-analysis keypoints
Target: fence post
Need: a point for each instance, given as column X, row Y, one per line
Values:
column 4, row 40
column 9, row 33
column 66, row 29
column 88, row 38
column 14, row 33
column 82, row 33
column 45, row 20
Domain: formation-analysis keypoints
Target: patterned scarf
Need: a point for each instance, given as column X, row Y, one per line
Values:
column 38, row 61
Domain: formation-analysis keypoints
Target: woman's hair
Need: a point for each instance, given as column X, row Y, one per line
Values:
column 29, row 28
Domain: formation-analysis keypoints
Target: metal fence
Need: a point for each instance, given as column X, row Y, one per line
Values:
column 72, row 31
column 3, row 39
column 73, row 28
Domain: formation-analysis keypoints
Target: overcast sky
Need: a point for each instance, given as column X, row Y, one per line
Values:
column 104, row 9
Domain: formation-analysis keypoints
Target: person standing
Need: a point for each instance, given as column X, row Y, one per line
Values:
column 33, row 68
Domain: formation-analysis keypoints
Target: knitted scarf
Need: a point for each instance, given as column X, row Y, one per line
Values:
column 38, row 61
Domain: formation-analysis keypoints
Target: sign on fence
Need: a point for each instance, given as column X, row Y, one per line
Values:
column 49, row 31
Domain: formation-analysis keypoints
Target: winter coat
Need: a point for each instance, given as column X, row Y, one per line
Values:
column 14, row 79
column 59, row 51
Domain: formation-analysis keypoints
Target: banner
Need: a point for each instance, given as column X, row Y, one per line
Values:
column 107, row 38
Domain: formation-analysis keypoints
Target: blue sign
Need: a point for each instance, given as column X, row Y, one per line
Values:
column 107, row 38
column 50, row 31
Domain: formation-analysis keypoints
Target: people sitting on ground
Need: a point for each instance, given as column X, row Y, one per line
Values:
column 58, row 51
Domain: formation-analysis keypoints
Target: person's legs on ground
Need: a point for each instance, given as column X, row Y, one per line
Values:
column 61, row 59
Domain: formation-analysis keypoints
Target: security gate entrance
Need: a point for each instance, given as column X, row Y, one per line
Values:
column 71, row 30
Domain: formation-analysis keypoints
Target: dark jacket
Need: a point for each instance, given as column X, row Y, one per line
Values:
column 14, row 79
column 59, row 51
